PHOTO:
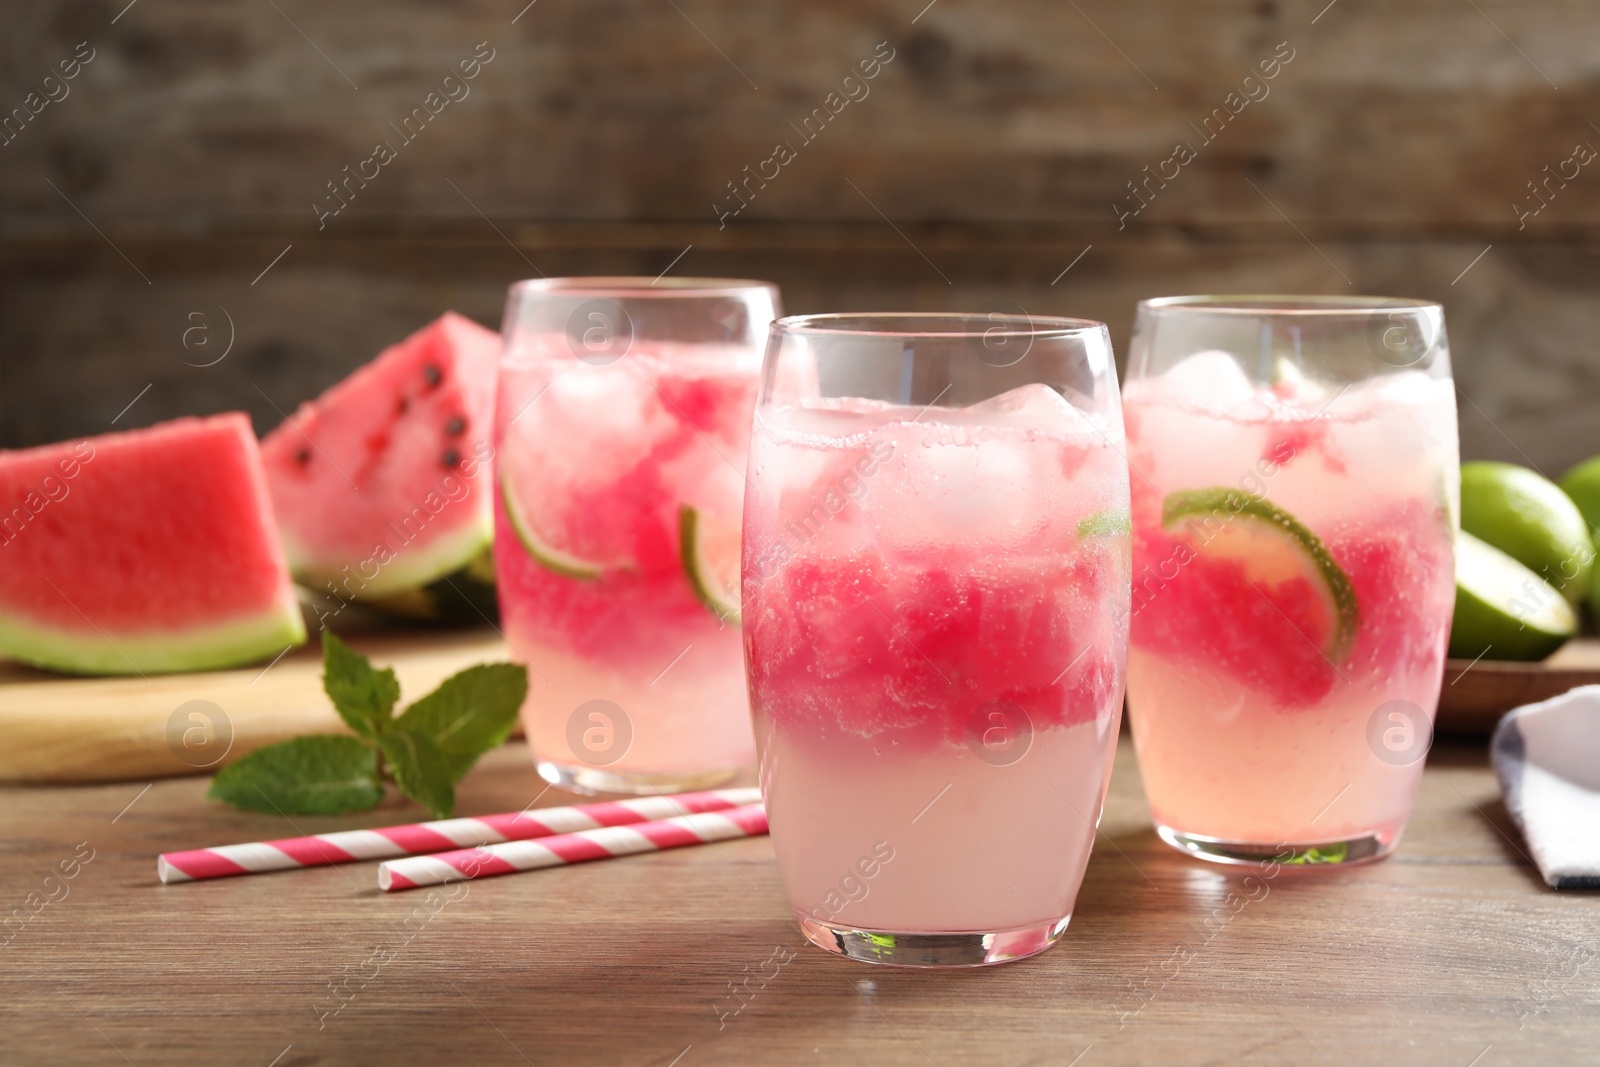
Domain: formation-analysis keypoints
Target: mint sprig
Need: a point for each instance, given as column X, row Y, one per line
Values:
column 363, row 697
column 425, row 750
column 452, row 715
column 304, row 776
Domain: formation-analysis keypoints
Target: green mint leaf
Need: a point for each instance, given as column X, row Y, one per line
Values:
column 420, row 770
column 324, row 775
column 364, row 697
column 469, row 713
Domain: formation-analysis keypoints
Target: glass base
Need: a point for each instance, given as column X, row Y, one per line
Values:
column 591, row 781
column 1351, row 852
column 932, row 950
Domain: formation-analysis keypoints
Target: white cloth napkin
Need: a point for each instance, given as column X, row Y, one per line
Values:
column 1547, row 756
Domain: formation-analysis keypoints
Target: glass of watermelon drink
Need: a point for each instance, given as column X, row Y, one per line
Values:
column 1295, row 488
column 622, row 430
column 936, row 567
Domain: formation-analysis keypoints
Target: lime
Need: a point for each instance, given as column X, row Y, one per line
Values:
column 545, row 554
column 710, row 554
column 1274, row 547
column 1530, row 519
column 1582, row 484
column 1291, row 382
column 1503, row 609
column 1110, row 522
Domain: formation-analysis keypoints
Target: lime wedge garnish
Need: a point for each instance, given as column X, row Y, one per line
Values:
column 1107, row 523
column 710, row 554
column 1503, row 609
column 545, row 554
column 1274, row 547
column 1285, row 372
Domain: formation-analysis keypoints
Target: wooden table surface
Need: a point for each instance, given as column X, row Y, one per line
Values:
column 1451, row 953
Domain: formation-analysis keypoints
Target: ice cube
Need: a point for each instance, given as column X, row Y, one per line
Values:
column 1029, row 407
column 957, row 484
column 1402, row 387
column 591, row 422
column 1212, row 380
column 835, row 420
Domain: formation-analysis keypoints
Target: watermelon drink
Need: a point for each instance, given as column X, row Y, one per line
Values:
column 1294, row 513
column 935, row 600
column 623, row 426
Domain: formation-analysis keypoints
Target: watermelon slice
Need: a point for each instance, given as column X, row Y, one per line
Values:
column 143, row 552
column 382, row 484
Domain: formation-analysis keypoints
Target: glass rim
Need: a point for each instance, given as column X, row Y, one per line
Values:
column 1287, row 304
column 968, row 325
column 640, row 285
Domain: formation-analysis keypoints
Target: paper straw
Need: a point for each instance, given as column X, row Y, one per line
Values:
column 557, row 851
column 446, row 834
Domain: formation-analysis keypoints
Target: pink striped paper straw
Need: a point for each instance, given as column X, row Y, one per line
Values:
column 561, row 849
column 445, row 834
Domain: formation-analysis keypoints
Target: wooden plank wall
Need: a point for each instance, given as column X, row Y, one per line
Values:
column 1387, row 152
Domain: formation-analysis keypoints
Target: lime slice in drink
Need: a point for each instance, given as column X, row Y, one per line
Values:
column 1503, row 609
column 1530, row 519
column 1274, row 547
column 543, row 552
column 1107, row 523
column 1289, row 381
column 709, row 550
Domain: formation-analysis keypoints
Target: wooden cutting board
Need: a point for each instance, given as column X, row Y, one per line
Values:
column 60, row 729
column 55, row 728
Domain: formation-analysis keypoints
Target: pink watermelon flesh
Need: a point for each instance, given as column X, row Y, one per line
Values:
column 143, row 552
column 964, row 634
column 382, row 484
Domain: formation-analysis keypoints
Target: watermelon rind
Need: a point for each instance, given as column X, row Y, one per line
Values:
column 464, row 595
column 409, row 570
column 208, row 646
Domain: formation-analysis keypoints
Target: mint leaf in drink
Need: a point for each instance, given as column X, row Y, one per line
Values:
column 322, row 775
column 1336, row 853
column 469, row 713
column 420, row 770
column 364, row 698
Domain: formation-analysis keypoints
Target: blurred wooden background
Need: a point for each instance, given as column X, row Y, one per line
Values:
column 186, row 156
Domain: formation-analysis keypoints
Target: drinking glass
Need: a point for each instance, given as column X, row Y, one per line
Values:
column 623, row 423
column 936, row 561
column 1295, row 504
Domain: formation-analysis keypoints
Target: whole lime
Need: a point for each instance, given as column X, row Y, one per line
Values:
column 1582, row 484
column 1529, row 518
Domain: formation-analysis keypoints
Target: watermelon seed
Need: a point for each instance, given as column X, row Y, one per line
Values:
column 302, row 457
column 455, row 426
column 402, row 405
column 450, row 458
column 431, row 373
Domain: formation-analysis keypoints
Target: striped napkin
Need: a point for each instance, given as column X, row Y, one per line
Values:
column 1547, row 756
